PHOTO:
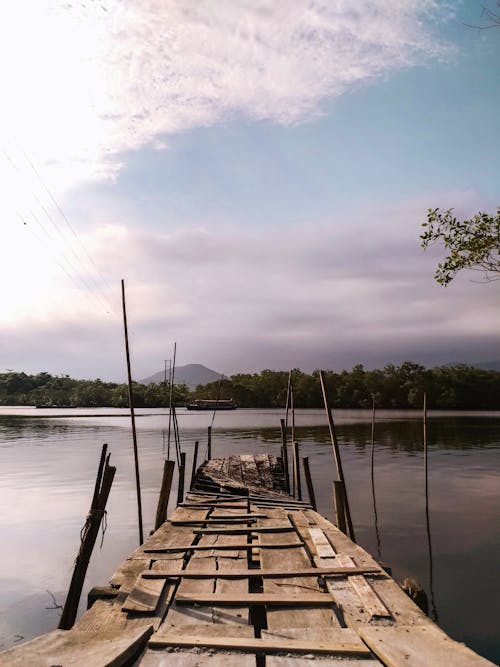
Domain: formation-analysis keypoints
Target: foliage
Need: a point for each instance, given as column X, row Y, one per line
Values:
column 470, row 244
column 45, row 390
column 447, row 387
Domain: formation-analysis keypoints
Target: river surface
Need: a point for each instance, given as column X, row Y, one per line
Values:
column 49, row 458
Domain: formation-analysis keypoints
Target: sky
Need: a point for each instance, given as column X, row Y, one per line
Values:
column 257, row 171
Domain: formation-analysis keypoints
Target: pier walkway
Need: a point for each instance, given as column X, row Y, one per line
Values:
column 242, row 574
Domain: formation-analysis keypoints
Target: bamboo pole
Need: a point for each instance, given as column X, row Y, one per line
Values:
column 132, row 417
column 284, row 449
column 182, row 472
column 296, row 471
column 195, row 461
column 310, row 487
column 104, row 480
column 166, row 485
column 336, row 452
column 170, row 399
column 372, row 466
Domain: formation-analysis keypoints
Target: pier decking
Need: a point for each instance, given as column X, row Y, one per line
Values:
column 243, row 574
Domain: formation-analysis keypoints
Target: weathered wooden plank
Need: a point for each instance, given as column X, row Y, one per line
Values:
column 213, row 563
column 369, row 599
column 74, row 648
column 196, row 657
column 198, row 522
column 241, row 531
column 283, row 566
column 316, row 634
column 272, row 643
column 145, row 595
column 207, row 547
column 275, row 599
column 263, row 572
column 419, row 647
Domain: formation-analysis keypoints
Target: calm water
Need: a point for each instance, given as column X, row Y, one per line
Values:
column 48, row 466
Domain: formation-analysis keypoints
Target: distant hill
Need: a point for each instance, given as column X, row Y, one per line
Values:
column 190, row 374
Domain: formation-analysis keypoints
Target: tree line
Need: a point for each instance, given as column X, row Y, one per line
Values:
column 458, row 386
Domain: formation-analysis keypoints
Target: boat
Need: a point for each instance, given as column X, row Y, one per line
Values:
column 243, row 574
column 212, row 404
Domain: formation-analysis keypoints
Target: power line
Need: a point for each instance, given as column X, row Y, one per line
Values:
column 80, row 267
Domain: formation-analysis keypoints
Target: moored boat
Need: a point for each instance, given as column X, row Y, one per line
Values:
column 212, row 404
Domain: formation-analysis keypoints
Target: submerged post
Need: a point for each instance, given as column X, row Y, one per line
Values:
column 310, row 488
column 182, row 472
column 166, row 485
column 284, row 449
column 336, row 453
column 104, row 480
column 209, row 443
column 338, row 497
column 195, row 461
column 132, row 417
column 296, row 470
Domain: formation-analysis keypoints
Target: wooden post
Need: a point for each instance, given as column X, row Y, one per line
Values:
column 310, row 488
column 296, row 470
column 209, row 444
column 195, row 461
column 132, row 417
column 284, row 449
column 104, row 480
column 171, row 400
column 166, row 485
column 182, row 472
column 336, row 453
column 338, row 495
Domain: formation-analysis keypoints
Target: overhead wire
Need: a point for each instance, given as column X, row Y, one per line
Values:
column 79, row 268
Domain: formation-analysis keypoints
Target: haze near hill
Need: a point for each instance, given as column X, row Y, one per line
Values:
column 190, row 374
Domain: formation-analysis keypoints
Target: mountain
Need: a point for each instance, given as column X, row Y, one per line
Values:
column 190, row 374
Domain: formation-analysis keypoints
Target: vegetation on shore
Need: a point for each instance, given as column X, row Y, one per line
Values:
column 458, row 387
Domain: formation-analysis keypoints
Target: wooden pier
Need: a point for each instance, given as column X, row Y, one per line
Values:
column 243, row 574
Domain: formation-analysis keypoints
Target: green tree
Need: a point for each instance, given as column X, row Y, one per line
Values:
column 470, row 244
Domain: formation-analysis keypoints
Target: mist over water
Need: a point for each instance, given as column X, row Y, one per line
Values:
column 49, row 460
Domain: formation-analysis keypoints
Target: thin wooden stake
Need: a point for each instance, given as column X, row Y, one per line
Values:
column 132, row 417
column 104, row 480
column 336, row 452
column 377, row 534
column 182, row 472
column 296, row 471
column 338, row 496
column 166, row 485
column 195, row 461
column 284, row 449
column 209, row 444
column 310, row 488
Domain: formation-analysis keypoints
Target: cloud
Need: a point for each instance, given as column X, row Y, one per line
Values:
column 242, row 300
column 84, row 82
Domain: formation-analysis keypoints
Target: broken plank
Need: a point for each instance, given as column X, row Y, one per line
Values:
column 145, row 595
column 73, row 648
column 370, row 600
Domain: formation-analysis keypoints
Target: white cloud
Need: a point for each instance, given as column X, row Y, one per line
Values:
column 242, row 300
column 84, row 81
